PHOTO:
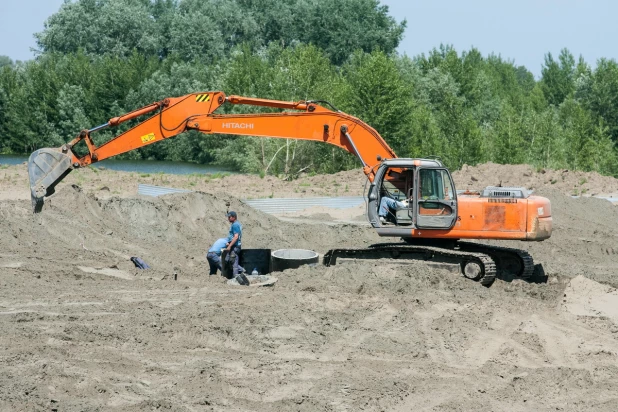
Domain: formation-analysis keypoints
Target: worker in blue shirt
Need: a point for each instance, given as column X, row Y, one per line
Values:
column 214, row 255
column 234, row 243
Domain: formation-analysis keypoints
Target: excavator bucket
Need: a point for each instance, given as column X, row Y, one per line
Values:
column 46, row 167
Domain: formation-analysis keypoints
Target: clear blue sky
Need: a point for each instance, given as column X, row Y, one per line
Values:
column 522, row 31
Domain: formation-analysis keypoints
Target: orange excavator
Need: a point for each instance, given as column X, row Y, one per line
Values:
column 429, row 215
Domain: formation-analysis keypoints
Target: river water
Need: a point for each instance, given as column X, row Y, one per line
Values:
column 139, row 166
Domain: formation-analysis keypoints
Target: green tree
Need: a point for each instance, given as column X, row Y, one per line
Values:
column 425, row 139
column 102, row 27
column 589, row 145
column 509, row 145
column 5, row 61
column 4, row 129
column 547, row 145
column 340, row 27
column 297, row 73
column 212, row 28
column 71, row 113
column 378, row 94
column 525, row 78
column 598, row 92
column 461, row 133
column 163, row 12
column 558, row 77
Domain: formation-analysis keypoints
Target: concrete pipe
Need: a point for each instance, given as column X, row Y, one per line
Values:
column 293, row 258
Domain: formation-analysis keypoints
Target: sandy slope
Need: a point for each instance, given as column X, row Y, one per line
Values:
column 82, row 329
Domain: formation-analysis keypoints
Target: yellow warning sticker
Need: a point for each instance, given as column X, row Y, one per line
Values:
column 202, row 98
column 148, row 137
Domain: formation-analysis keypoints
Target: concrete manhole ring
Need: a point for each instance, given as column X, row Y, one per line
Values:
column 293, row 258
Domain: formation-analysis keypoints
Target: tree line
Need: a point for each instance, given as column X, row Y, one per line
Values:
column 101, row 58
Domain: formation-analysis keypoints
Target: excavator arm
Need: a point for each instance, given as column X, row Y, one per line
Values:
column 304, row 120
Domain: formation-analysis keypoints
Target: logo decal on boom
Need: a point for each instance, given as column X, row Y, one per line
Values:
column 237, row 125
column 200, row 98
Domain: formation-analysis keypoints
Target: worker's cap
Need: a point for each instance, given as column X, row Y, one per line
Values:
column 231, row 213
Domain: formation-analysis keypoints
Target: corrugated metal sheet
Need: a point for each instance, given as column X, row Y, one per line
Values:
column 286, row 205
column 270, row 205
column 151, row 190
column 611, row 199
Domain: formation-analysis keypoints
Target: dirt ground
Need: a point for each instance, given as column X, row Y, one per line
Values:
column 82, row 329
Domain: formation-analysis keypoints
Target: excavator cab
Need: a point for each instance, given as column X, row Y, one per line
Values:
column 426, row 189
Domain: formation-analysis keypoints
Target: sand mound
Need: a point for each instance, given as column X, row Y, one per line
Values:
column 169, row 233
column 585, row 297
column 569, row 182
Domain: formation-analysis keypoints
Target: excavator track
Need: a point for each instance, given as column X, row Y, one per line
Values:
column 477, row 266
column 509, row 261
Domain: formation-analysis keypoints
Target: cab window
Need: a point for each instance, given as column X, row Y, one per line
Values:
column 396, row 181
column 435, row 184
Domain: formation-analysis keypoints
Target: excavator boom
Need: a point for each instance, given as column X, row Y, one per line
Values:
column 302, row 120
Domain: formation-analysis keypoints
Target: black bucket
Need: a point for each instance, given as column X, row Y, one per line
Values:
column 226, row 268
column 256, row 259
column 249, row 259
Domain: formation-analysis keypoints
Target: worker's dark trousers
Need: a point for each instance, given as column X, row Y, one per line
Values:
column 214, row 261
column 234, row 256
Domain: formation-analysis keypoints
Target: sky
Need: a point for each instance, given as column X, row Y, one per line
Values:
column 522, row 31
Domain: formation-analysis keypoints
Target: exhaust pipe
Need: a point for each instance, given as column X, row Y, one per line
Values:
column 46, row 168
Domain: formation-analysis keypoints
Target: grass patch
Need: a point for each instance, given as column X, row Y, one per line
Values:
column 144, row 175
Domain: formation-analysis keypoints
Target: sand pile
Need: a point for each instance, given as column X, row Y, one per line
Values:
column 171, row 233
column 570, row 182
column 584, row 297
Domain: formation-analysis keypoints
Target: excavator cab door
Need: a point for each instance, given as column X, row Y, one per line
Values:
column 435, row 199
